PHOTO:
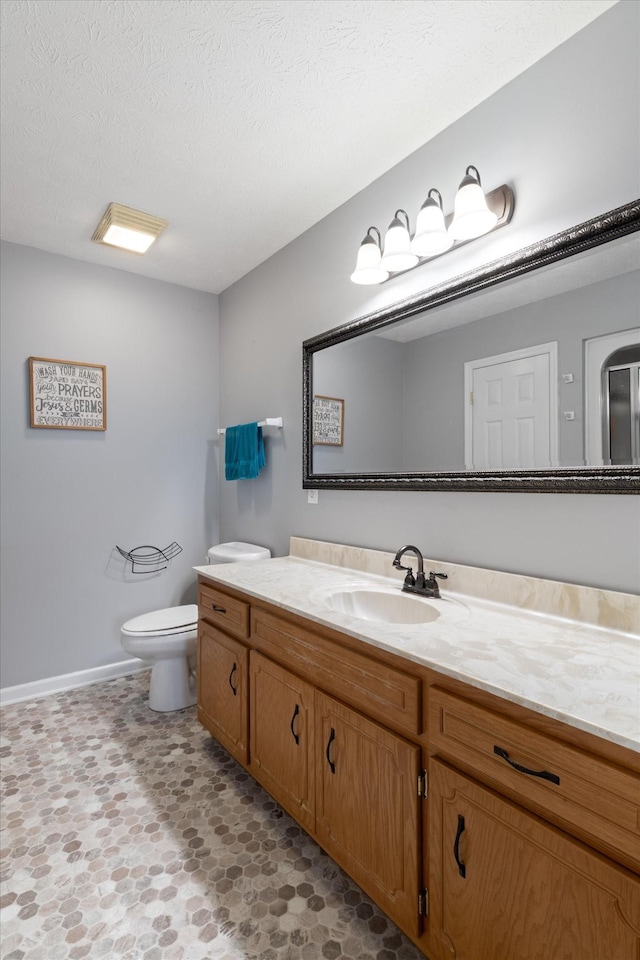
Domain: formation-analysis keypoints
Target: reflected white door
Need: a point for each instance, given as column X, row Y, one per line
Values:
column 511, row 404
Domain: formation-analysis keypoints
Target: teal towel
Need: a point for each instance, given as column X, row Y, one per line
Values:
column 243, row 452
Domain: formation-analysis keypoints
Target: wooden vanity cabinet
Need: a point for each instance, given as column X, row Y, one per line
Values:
column 347, row 778
column 542, row 818
column 587, row 795
column 507, row 884
column 504, row 885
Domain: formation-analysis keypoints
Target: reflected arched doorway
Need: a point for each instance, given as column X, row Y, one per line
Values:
column 611, row 402
column 621, row 406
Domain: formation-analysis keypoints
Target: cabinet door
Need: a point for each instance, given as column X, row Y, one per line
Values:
column 505, row 885
column 282, row 737
column 223, row 689
column 367, row 806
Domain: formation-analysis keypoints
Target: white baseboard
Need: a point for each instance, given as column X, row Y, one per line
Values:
column 69, row 681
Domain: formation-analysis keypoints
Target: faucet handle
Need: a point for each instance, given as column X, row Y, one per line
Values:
column 432, row 586
column 409, row 580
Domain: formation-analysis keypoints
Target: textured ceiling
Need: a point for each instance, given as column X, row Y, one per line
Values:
column 242, row 122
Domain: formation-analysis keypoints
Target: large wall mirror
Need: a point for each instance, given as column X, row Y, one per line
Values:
column 522, row 375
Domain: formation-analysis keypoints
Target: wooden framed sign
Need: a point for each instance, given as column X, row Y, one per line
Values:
column 66, row 395
column 328, row 419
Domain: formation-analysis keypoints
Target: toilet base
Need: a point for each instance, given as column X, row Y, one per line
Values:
column 172, row 685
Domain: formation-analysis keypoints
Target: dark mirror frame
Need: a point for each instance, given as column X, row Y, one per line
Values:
column 616, row 479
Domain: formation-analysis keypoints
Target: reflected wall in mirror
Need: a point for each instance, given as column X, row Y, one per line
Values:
column 521, row 375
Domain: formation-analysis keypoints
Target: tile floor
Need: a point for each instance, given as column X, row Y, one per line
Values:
column 132, row 835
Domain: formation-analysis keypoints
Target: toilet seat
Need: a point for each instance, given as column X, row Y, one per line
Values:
column 163, row 623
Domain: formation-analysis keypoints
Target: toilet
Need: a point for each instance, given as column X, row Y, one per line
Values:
column 168, row 638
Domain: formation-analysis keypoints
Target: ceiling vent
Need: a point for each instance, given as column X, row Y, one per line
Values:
column 128, row 229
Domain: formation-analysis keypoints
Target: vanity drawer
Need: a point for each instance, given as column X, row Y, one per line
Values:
column 226, row 612
column 382, row 692
column 584, row 793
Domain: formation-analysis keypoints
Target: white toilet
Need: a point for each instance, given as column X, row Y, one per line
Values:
column 168, row 638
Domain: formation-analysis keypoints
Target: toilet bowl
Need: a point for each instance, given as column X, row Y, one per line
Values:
column 168, row 638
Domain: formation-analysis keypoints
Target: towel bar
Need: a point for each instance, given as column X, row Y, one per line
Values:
column 268, row 422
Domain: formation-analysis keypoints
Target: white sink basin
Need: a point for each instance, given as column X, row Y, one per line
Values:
column 384, row 606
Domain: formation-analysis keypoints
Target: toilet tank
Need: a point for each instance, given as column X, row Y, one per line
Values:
column 237, row 550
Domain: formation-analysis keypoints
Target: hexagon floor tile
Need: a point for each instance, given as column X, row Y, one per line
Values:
column 132, row 835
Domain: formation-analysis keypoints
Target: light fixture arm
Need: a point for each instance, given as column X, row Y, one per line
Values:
column 396, row 216
column 471, row 177
column 439, row 195
column 379, row 240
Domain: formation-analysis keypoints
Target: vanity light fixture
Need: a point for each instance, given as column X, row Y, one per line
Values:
column 128, row 229
column 474, row 215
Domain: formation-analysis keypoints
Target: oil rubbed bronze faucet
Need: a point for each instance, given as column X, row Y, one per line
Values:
column 418, row 584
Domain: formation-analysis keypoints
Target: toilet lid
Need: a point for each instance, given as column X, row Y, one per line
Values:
column 171, row 618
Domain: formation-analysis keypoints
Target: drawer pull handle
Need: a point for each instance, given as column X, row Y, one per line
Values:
column 218, row 609
column 295, row 735
column 462, row 870
column 332, row 737
column 543, row 774
column 233, row 670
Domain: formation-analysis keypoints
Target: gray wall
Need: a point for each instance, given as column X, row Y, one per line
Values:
column 368, row 374
column 69, row 496
column 565, row 135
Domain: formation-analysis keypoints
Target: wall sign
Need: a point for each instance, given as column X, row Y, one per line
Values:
column 66, row 395
column 328, row 418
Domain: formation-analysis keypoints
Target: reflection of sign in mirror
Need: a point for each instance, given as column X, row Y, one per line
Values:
column 67, row 395
column 328, row 413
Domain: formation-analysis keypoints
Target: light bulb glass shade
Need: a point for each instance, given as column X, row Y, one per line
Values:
column 471, row 215
column 397, row 247
column 431, row 237
column 368, row 269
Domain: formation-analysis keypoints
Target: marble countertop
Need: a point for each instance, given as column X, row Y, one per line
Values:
column 586, row 676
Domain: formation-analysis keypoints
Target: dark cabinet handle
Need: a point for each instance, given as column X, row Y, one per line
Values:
column 543, row 774
column 332, row 737
column 462, row 870
column 295, row 736
column 218, row 609
column 233, row 670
